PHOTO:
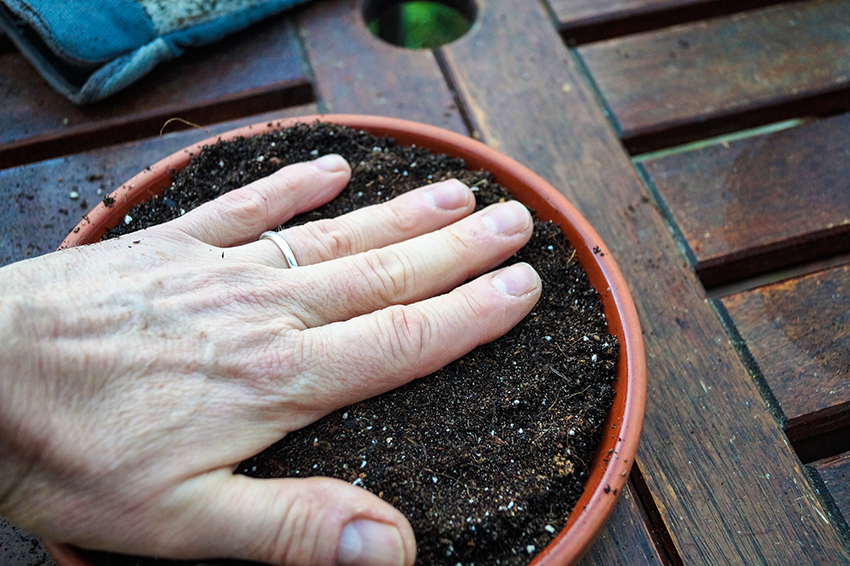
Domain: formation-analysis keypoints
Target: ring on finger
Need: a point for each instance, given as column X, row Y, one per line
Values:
column 282, row 245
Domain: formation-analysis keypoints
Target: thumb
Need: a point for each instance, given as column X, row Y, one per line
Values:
column 289, row 522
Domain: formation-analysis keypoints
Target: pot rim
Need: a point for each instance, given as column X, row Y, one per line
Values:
column 616, row 452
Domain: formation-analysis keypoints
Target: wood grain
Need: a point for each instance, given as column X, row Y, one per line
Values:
column 39, row 212
column 583, row 21
column 254, row 71
column 762, row 203
column 798, row 332
column 357, row 73
column 625, row 539
column 713, row 76
column 835, row 473
column 714, row 459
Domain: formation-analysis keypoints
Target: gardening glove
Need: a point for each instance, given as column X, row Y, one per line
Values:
column 90, row 49
column 138, row 372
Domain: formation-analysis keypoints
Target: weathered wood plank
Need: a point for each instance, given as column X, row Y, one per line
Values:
column 357, row 73
column 39, row 212
column 835, row 473
column 762, row 203
column 798, row 332
column 254, row 71
column 714, row 459
column 625, row 539
column 690, row 81
column 582, row 21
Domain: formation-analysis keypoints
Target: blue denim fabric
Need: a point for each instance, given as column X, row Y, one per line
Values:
column 90, row 49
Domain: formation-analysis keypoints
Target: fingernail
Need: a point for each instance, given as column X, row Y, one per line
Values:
column 447, row 195
column 369, row 543
column 516, row 280
column 332, row 163
column 507, row 218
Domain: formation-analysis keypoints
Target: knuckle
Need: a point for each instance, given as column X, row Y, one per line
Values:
column 330, row 238
column 408, row 331
column 403, row 219
column 388, row 274
column 247, row 205
column 297, row 535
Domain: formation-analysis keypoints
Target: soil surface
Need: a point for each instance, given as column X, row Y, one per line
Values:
column 487, row 456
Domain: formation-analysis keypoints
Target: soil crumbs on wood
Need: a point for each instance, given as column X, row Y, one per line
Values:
column 485, row 457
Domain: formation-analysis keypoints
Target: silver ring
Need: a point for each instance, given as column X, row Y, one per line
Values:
column 284, row 247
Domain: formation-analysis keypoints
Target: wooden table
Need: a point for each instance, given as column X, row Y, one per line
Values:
column 703, row 139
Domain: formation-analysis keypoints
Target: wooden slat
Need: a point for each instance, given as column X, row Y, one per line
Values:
column 798, row 332
column 625, row 538
column 254, row 71
column 355, row 72
column 762, row 203
column 690, row 81
column 582, row 21
column 344, row 53
column 39, row 212
column 835, row 474
column 726, row 483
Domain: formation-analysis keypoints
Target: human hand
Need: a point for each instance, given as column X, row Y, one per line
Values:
column 136, row 373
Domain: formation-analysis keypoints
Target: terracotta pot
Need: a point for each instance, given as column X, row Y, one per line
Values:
column 608, row 472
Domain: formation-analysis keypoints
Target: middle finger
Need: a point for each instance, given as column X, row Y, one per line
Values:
column 408, row 271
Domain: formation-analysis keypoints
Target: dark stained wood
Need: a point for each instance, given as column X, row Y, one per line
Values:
column 835, row 474
column 695, row 80
column 583, row 21
column 355, row 72
column 38, row 211
column 715, row 462
column 762, row 203
column 798, row 332
column 625, row 539
column 254, row 71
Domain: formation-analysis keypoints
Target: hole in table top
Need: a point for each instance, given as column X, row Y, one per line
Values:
column 419, row 24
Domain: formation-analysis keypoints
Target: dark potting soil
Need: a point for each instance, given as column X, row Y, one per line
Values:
column 486, row 457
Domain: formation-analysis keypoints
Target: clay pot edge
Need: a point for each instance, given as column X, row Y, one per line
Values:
column 594, row 506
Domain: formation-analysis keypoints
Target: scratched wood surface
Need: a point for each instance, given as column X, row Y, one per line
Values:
column 715, row 462
column 355, row 72
column 582, row 21
column 712, row 76
column 835, row 474
column 255, row 71
column 762, row 203
column 625, row 538
column 798, row 332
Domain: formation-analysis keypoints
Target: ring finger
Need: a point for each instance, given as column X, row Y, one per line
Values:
column 411, row 214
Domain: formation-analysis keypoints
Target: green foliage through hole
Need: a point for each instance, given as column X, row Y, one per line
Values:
column 419, row 24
